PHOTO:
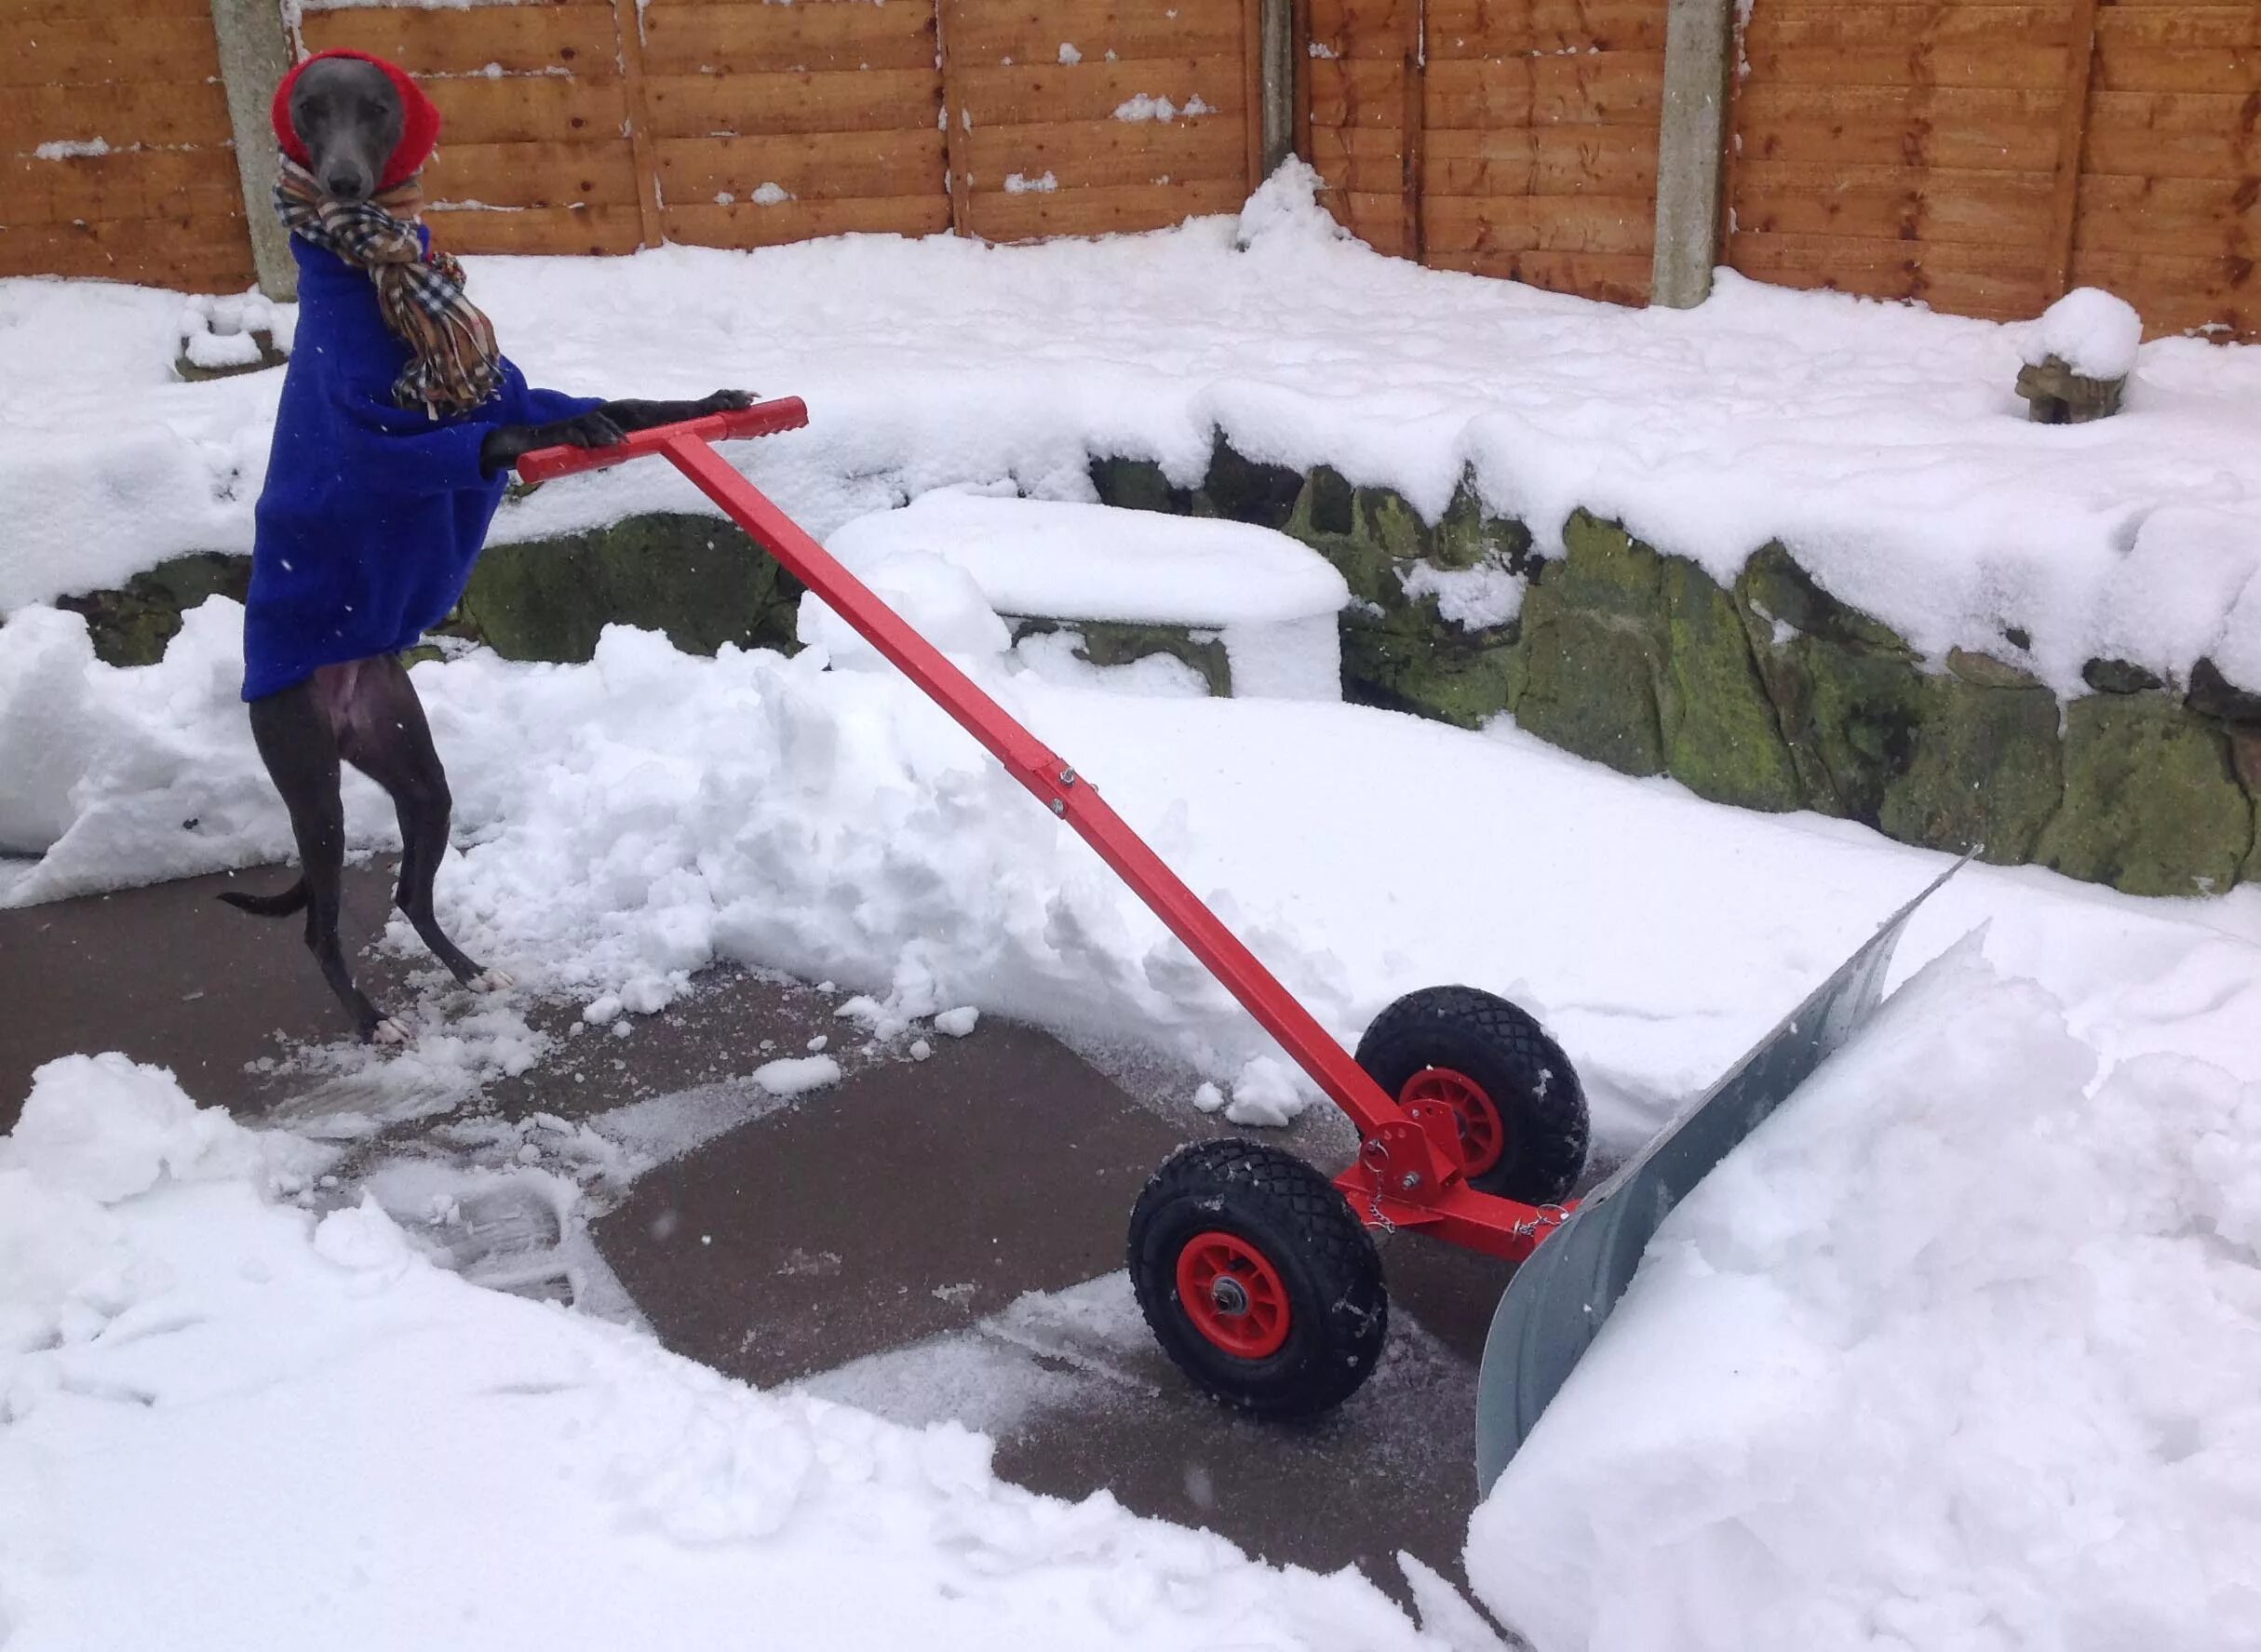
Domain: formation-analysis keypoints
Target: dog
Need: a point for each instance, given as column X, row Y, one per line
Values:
column 398, row 424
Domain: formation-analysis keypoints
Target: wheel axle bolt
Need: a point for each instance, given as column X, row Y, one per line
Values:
column 1229, row 1296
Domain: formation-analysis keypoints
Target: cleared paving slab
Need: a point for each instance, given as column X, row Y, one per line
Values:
column 937, row 1238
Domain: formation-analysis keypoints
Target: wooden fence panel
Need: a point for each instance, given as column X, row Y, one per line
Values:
column 777, row 123
column 1078, row 118
column 114, row 155
column 534, row 153
column 1984, row 155
column 1905, row 151
column 2171, row 176
column 1540, row 150
column 1360, row 93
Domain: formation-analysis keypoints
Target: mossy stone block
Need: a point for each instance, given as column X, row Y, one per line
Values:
column 2152, row 804
column 700, row 581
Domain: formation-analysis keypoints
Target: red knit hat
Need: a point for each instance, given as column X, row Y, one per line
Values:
column 419, row 128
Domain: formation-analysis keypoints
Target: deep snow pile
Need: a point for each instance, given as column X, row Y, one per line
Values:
column 628, row 821
column 226, row 1422
column 1964, row 1355
column 1885, row 445
column 1271, row 601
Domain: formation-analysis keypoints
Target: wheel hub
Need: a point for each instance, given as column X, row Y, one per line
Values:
column 1483, row 1135
column 1232, row 1295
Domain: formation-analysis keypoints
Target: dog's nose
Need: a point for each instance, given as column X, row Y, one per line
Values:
column 345, row 186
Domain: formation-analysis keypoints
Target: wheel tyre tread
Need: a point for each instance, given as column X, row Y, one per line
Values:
column 1338, row 1323
column 1472, row 1031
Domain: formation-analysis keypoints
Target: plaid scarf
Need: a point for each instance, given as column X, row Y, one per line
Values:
column 453, row 363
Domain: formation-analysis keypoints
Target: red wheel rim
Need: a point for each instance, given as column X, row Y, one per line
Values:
column 1483, row 1135
column 1232, row 1295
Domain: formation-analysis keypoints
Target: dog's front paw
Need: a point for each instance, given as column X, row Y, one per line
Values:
column 389, row 1033
column 585, row 430
column 490, row 981
column 730, row 401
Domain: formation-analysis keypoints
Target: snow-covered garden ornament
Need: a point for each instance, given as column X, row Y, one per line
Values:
column 2078, row 357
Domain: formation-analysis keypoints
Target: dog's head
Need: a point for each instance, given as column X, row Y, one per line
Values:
column 359, row 125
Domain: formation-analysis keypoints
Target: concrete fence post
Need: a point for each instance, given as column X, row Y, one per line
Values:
column 1279, row 84
column 254, row 55
column 1691, row 149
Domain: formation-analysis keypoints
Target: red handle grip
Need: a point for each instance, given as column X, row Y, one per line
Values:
column 764, row 418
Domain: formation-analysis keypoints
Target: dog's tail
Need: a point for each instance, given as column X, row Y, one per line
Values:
column 269, row 906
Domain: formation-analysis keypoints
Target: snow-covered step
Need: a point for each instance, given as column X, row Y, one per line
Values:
column 978, row 574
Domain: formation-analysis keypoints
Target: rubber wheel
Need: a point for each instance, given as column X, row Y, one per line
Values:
column 1257, row 1280
column 1522, row 1111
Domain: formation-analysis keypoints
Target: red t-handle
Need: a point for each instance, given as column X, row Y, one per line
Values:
column 764, row 418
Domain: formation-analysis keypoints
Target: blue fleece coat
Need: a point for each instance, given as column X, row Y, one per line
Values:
column 372, row 514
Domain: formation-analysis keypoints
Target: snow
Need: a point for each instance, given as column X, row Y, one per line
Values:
column 952, row 561
column 629, row 822
column 958, row 1023
column 798, row 1075
column 2092, row 331
column 1884, row 445
column 65, row 149
column 231, row 1420
column 769, row 195
column 1964, row 1347
column 1019, row 184
column 1473, row 599
column 1090, row 562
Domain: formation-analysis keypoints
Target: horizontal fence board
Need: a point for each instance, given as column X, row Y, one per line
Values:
column 1021, row 94
column 529, row 109
column 1034, row 31
column 1353, row 92
column 1543, row 161
column 133, row 183
column 687, row 39
column 1932, row 204
column 2211, row 28
column 2198, row 218
column 208, row 251
column 101, row 11
column 89, row 52
column 1487, row 28
column 1347, row 29
column 1526, row 223
column 2236, row 71
column 1107, row 153
column 599, row 174
column 1622, row 88
column 172, row 114
column 695, row 170
column 742, row 225
column 1976, row 129
column 520, row 40
column 747, row 105
column 1360, row 158
column 2179, row 294
column 1617, row 278
column 1777, row 26
column 1124, row 210
column 2196, row 156
column 1993, row 63
column 576, row 231
column 1377, row 219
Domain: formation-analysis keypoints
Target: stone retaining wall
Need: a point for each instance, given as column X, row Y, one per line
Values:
column 1769, row 695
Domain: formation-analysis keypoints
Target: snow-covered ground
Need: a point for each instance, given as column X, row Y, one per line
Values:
column 1961, row 1351
column 225, row 1423
column 1884, row 444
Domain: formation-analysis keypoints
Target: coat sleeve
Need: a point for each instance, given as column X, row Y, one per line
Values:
column 404, row 452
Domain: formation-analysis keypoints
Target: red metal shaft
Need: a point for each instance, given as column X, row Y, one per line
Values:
column 1032, row 763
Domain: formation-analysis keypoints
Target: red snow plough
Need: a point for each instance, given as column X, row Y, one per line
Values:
column 1257, row 1274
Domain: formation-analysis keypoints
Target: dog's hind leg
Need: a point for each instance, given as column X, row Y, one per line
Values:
column 298, row 744
column 383, row 733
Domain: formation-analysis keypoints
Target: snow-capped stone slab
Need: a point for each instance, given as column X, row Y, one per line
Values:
column 1272, row 600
